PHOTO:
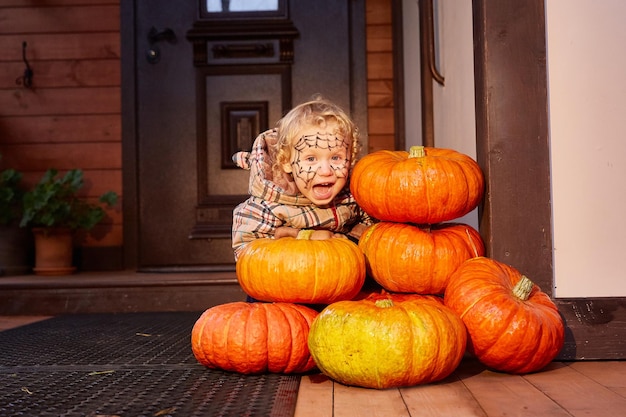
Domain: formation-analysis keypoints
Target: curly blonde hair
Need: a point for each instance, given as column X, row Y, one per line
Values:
column 317, row 112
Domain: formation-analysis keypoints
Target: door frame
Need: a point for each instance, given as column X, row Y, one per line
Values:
column 514, row 151
column 130, row 184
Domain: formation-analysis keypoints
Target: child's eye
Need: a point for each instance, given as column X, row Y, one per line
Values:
column 310, row 159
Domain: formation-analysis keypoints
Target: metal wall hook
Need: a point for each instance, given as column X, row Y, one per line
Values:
column 27, row 78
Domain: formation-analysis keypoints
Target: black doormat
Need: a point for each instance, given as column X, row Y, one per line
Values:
column 127, row 365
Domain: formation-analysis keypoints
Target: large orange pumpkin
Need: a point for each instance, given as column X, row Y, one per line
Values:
column 425, row 185
column 387, row 340
column 403, row 257
column 513, row 326
column 301, row 270
column 253, row 338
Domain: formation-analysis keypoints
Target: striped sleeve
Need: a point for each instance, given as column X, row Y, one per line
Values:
column 252, row 219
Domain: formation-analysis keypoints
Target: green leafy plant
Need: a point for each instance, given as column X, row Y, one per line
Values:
column 54, row 202
column 11, row 193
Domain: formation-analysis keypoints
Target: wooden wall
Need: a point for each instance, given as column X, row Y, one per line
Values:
column 70, row 118
column 380, row 75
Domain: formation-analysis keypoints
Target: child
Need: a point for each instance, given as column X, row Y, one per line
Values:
column 299, row 178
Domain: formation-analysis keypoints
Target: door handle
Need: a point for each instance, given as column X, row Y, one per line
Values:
column 166, row 34
column 154, row 36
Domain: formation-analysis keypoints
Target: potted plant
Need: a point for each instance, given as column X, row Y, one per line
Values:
column 54, row 212
column 15, row 243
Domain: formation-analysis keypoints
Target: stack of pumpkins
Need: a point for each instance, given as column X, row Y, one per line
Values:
column 272, row 336
column 441, row 295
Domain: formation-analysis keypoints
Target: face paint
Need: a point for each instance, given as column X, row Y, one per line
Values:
column 315, row 154
column 319, row 164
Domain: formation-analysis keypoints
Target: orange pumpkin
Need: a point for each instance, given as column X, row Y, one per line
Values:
column 425, row 185
column 405, row 258
column 301, row 270
column 253, row 338
column 387, row 340
column 513, row 326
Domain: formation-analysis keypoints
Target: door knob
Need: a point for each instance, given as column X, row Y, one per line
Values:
column 154, row 36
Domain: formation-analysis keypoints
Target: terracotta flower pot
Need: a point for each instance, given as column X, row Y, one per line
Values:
column 53, row 251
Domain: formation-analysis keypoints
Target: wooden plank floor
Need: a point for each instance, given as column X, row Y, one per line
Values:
column 590, row 389
column 563, row 389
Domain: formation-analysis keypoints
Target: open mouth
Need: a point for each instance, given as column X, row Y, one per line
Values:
column 323, row 191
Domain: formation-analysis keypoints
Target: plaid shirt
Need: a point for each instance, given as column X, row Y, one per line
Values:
column 271, row 206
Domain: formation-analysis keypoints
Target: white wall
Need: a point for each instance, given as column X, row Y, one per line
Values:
column 454, row 109
column 587, row 88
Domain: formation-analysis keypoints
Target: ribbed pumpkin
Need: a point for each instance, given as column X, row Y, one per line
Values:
column 403, row 257
column 254, row 338
column 425, row 185
column 513, row 326
column 387, row 340
column 301, row 270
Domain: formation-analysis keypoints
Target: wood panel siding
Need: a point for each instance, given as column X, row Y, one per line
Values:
column 66, row 129
column 71, row 116
column 380, row 75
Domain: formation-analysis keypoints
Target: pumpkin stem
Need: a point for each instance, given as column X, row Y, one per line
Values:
column 523, row 288
column 305, row 234
column 384, row 303
column 417, row 152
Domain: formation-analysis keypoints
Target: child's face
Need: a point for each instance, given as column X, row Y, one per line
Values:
column 320, row 160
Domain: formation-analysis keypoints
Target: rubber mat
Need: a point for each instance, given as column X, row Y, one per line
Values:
column 135, row 364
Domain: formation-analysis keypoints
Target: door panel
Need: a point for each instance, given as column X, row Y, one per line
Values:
column 166, row 138
column 185, row 98
column 246, row 89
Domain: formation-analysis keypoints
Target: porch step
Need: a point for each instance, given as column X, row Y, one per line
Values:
column 117, row 292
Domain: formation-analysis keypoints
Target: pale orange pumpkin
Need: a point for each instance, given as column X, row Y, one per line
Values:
column 425, row 185
column 407, row 258
column 253, row 338
column 301, row 270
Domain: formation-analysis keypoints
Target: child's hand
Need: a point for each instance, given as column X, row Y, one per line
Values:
column 285, row 231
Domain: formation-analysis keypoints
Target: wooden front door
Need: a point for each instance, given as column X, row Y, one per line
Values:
column 190, row 78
